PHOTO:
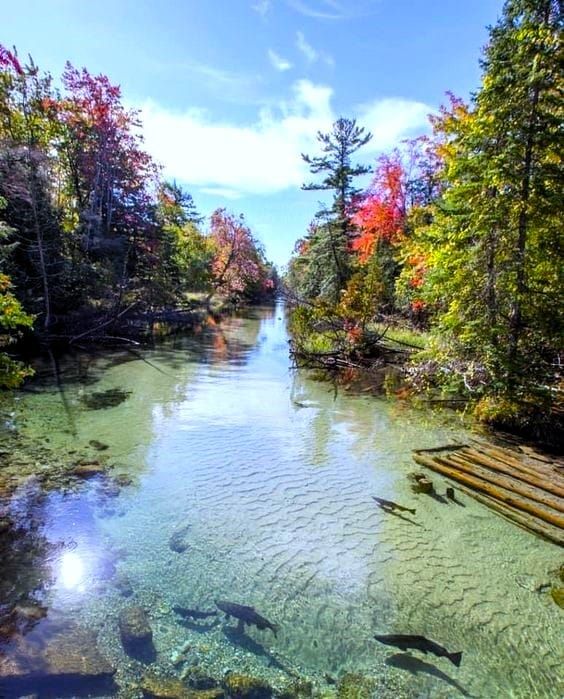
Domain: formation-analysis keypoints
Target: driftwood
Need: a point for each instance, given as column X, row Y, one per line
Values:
column 529, row 494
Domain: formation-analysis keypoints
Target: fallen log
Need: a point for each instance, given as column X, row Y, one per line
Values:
column 436, row 450
column 527, row 522
column 498, row 467
column 506, row 457
column 506, row 496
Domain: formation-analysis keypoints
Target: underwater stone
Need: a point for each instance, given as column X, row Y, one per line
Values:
column 355, row 686
column 557, row 594
column 172, row 688
column 300, row 689
column 54, row 654
column 197, row 678
column 99, row 400
column 136, row 633
column 88, row 469
column 246, row 687
column 99, row 446
column 178, row 541
column 123, row 585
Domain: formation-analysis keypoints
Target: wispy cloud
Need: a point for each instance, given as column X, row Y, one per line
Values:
column 227, row 85
column 263, row 156
column 312, row 55
column 278, row 62
column 262, row 7
column 333, row 9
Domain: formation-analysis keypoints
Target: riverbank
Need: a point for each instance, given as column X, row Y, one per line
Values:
column 395, row 359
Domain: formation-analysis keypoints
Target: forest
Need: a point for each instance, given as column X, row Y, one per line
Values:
column 90, row 232
column 453, row 254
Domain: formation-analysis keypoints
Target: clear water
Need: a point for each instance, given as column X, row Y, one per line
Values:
column 272, row 475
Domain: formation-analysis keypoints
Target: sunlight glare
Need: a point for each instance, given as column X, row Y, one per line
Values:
column 72, row 570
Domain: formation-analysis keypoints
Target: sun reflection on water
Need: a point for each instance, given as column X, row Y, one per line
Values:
column 72, row 571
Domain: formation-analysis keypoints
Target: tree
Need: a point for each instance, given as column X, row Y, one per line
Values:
column 335, row 225
column 238, row 262
column 185, row 254
column 494, row 247
column 27, row 129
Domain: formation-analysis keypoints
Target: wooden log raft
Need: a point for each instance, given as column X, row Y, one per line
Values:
column 528, row 491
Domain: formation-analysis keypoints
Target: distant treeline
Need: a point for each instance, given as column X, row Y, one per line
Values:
column 88, row 228
column 459, row 235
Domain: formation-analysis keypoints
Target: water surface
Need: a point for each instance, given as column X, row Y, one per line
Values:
column 270, row 476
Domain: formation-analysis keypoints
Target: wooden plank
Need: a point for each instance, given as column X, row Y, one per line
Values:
column 506, row 496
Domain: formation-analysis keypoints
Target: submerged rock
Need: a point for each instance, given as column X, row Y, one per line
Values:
column 51, row 656
column 557, row 594
column 88, row 469
column 246, row 687
column 300, row 689
column 136, row 633
column 123, row 585
column 196, row 678
column 171, row 688
column 99, row 446
column 163, row 688
column 99, row 400
column 178, row 541
column 355, row 686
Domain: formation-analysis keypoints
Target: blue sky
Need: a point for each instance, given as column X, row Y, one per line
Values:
column 231, row 91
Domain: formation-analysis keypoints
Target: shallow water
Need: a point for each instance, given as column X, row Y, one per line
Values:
column 269, row 475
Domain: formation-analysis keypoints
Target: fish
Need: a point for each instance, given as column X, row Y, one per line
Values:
column 245, row 615
column 392, row 506
column 193, row 613
column 406, row 641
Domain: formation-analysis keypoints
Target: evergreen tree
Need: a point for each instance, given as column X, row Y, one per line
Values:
column 335, row 229
column 495, row 246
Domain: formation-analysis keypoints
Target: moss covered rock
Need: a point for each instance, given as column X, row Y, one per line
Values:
column 355, row 686
column 557, row 594
column 246, row 687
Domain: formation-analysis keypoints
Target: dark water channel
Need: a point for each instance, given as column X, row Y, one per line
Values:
column 228, row 476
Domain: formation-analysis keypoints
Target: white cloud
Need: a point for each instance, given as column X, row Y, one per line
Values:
column 263, row 157
column 278, row 62
column 333, row 9
column 227, row 85
column 262, row 7
column 311, row 54
column 305, row 48
column 392, row 119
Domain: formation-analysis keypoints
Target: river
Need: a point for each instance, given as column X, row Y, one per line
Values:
column 234, row 477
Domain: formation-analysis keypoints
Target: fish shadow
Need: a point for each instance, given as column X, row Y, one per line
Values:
column 240, row 638
column 405, row 661
column 195, row 626
column 404, row 517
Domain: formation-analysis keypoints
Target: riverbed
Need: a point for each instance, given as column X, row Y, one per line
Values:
column 266, row 478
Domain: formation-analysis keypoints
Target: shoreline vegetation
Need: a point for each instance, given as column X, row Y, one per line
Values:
column 93, row 240
column 448, row 268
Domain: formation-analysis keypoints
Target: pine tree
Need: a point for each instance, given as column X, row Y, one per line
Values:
column 495, row 246
column 335, row 229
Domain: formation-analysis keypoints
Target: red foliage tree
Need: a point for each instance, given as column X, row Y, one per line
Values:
column 110, row 174
column 237, row 262
column 380, row 215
